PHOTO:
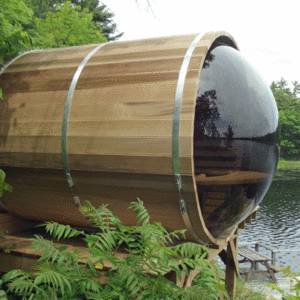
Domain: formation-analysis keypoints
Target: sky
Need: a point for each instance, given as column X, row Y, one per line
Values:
column 266, row 32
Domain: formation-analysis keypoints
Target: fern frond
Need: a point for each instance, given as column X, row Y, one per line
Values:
column 176, row 235
column 140, row 211
column 91, row 284
column 66, row 259
column 108, row 240
column 39, row 244
column 196, row 292
column 12, row 275
column 101, row 217
column 107, row 293
column 96, row 214
column 192, row 250
column 59, row 230
column 22, row 286
column 51, row 277
column 128, row 279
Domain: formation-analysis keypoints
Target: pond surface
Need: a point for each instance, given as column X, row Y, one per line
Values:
column 278, row 220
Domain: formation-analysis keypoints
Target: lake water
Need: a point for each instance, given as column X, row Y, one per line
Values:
column 278, row 220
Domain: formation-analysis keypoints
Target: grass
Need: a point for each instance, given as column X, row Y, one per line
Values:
column 244, row 293
column 288, row 165
column 287, row 170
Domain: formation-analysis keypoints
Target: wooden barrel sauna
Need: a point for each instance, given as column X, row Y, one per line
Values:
column 184, row 123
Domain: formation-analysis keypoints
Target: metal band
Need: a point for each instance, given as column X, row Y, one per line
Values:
column 15, row 58
column 176, row 137
column 66, row 118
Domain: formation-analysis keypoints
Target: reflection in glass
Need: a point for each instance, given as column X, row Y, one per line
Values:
column 235, row 139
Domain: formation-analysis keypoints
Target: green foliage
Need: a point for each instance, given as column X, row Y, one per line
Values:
column 284, row 96
column 64, row 273
column 5, row 249
column 244, row 293
column 296, row 289
column 67, row 26
column 290, row 132
column 1, row 65
column 287, row 165
column 101, row 16
column 14, row 17
column 3, row 185
column 208, row 282
column 289, row 112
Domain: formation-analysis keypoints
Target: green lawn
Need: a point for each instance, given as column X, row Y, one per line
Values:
column 285, row 164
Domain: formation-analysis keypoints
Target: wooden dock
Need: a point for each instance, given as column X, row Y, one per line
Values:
column 254, row 257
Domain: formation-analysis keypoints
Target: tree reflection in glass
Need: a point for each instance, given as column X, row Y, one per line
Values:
column 235, row 137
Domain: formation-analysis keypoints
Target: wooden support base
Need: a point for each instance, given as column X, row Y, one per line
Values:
column 232, row 267
column 10, row 223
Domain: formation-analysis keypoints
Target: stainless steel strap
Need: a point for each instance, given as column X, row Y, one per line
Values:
column 66, row 118
column 176, row 136
column 15, row 58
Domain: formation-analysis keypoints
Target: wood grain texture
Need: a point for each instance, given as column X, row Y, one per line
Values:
column 120, row 125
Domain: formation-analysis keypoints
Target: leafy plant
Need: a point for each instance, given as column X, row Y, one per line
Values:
column 102, row 16
column 6, row 249
column 64, row 273
column 67, row 26
column 3, row 185
column 296, row 288
column 14, row 17
column 244, row 293
column 287, row 100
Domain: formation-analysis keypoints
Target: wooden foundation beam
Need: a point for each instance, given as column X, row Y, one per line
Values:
column 12, row 224
column 232, row 267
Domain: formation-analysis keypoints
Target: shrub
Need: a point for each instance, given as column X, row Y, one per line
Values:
column 150, row 254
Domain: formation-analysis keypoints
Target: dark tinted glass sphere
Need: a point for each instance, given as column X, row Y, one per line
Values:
column 235, row 139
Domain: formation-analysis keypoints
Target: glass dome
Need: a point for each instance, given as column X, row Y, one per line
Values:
column 235, row 139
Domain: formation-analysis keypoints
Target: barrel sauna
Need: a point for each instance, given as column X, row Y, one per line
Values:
column 184, row 123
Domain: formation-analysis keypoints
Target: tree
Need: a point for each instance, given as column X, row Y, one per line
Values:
column 296, row 89
column 67, row 26
column 207, row 114
column 229, row 133
column 284, row 96
column 289, row 116
column 290, row 133
column 101, row 16
column 14, row 17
